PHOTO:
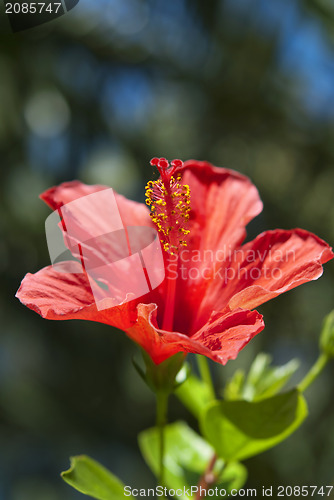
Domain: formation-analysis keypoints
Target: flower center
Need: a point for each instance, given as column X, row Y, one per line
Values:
column 169, row 201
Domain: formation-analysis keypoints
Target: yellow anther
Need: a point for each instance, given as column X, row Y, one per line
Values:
column 169, row 202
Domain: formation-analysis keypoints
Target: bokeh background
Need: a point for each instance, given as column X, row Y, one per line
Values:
column 245, row 84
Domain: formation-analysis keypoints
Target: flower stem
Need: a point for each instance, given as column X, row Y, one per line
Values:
column 204, row 371
column 314, row 372
column 161, row 420
column 207, row 479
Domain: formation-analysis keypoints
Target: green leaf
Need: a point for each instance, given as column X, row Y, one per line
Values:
column 91, row 478
column 262, row 380
column 194, row 394
column 187, row 456
column 241, row 429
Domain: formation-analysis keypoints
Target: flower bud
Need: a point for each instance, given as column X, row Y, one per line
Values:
column 327, row 335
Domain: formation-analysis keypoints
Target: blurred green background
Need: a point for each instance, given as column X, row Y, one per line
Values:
column 245, row 84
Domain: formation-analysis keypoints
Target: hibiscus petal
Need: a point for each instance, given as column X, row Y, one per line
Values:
column 282, row 261
column 145, row 333
column 132, row 212
column 222, row 203
column 227, row 332
column 273, row 263
column 92, row 221
column 101, row 227
column 221, row 339
column 59, row 295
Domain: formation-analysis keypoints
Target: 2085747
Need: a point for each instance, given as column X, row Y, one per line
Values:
column 304, row 491
column 32, row 7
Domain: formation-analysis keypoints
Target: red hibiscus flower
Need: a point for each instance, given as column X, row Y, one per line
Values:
column 206, row 302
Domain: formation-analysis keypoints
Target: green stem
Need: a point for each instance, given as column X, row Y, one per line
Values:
column 162, row 405
column 314, row 372
column 204, row 371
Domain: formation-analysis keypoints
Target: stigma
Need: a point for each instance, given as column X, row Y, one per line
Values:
column 169, row 201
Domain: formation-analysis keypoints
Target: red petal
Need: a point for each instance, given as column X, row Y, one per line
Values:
column 60, row 295
column 226, row 333
column 132, row 213
column 145, row 333
column 97, row 228
column 286, row 259
column 220, row 339
column 57, row 196
column 273, row 263
column 222, row 204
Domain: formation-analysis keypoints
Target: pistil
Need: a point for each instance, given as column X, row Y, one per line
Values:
column 169, row 201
